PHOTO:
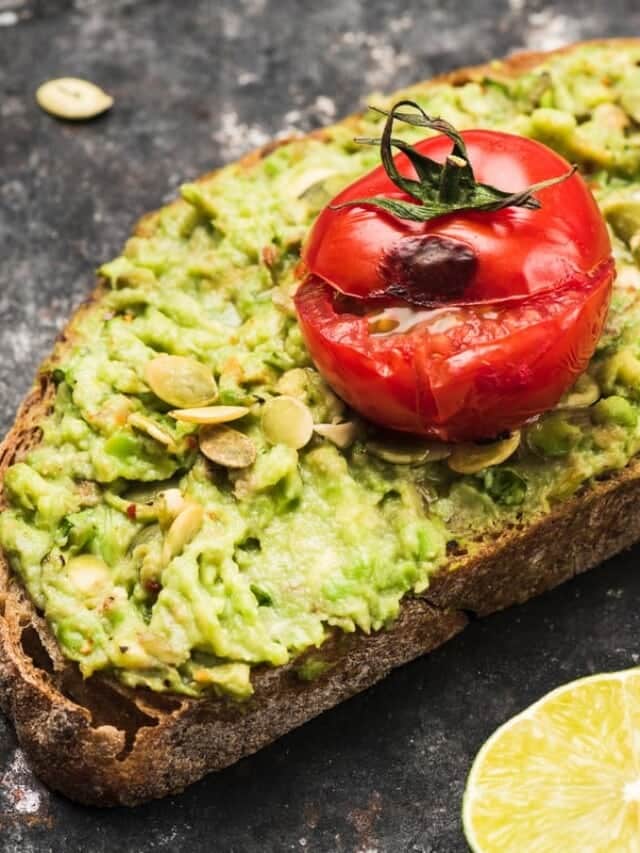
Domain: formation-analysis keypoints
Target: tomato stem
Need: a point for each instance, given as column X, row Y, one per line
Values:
column 438, row 188
column 450, row 179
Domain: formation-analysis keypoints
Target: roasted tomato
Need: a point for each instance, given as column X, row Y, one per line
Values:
column 438, row 304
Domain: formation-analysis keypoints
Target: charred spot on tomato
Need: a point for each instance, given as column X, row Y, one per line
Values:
column 343, row 304
column 428, row 270
column 374, row 310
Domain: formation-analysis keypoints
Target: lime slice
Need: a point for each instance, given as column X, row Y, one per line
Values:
column 564, row 775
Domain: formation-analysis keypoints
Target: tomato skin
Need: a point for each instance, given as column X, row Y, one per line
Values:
column 520, row 251
column 497, row 333
column 475, row 378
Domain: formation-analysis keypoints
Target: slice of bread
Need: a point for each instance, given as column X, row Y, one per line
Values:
column 101, row 743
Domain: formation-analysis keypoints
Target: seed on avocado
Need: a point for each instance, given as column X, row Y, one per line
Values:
column 408, row 451
column 210, row 414
column 227, row 446
column 294, row 382
column 310, row 181
column 88, row 574
column 286, row 420
column 182, row 530
column 151, row 428
column 173, row 501
column 73, row 98
column 342, row 435
column 584, row 393
column 471, row 458
column 181, row 381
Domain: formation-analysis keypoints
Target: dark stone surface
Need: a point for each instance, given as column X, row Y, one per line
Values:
column 198, row 83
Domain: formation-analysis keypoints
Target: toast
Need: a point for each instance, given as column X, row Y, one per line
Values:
column 102, row 743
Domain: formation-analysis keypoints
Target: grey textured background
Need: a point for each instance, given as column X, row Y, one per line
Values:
column 196, row 84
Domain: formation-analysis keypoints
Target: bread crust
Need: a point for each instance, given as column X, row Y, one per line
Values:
column 104, row 744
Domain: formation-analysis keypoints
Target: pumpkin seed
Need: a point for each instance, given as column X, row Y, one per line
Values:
column 182, row 530
column 181, row 381
column 210, row 414
column 471, row 458
column 286, row 420
column 293, row 383
column 88, row 573
column 611, row 116
column 73, row 98
column 146, row 536
column 151, row 428
column 227, row 446
column 319, row 189
column 311, row 180
column 173, row 502
column 584, row 393
column 342, row 435
column 407, row 451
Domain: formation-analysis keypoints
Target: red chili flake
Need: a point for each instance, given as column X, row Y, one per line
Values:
column 152, row 586
column 131, row 511
column 192, row 442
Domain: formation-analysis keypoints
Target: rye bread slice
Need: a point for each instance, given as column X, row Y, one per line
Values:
column 101, row 743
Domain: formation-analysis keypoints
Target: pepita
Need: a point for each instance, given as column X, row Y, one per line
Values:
column 286, row 420
column 471, row 458
column 408, row 451
column 210, row 414
column 173, row 502
column 73, row 98
column 584, row 393
column 611, row 116
column 227, row 446
column 312, row 179
column 342, row 435
column 181, row 381
column 89, row 574
column 151, row 428
column 293, row 383
column 182, row 530
column 317, row 189
column 148, row 535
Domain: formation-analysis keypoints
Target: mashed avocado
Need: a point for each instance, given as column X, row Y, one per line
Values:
column 167, row 570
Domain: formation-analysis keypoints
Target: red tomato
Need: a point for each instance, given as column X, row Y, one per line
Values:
column 462, row 372
column 482, row 357
column 518, row 250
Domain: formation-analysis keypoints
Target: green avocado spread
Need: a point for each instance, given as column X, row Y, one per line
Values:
column 180, row 563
